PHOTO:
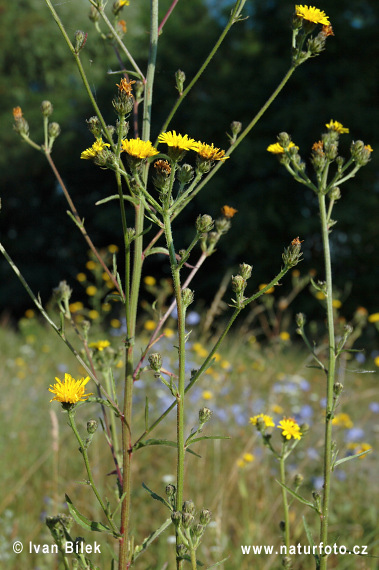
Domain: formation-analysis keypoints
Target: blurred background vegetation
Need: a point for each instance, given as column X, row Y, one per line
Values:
column 342, row 83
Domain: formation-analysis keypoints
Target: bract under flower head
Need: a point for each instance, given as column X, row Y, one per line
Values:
column 312, row 14
column 139, row 149
column 337, row 127
column 180, row 142
column 97, row 147
column 210, row 152
column 277, row 148
column 70, row 391
column 290, row 429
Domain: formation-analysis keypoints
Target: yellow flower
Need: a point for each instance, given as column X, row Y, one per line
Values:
column 150, row 325
column 106, row 307
column 320, row 295
column 374, row 318
column 70, row 391
column 267, row 420
column 125, row 3
column 336, row 303
column 29, row 313
column 337, row 127
column 342, row 420
column 369, row 147
column 277, row 148
column 180, row 142
column 240, row 463
column 207, row 395
column 98, row 146
column 225, row 364
column 81, row 277
column 290, row 429
column 312, row 14
column 269, row 291
column 210, row 152
column 91, row 265
column 149, row 280
column 99, row 345
column 248, row 457
column 17, row 113
column 125, row 85
column 91, row 290
column 115, row 323
column 169, row 333
column 112, row 248
column 93, row 314
column 138, row 149
column 376, row 361
column 75, row 307
column 360, row 448
column 284, row 335
column 277, row 409
column 228, row 212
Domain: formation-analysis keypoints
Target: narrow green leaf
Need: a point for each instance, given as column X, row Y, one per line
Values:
column 311, row 541
column 355, row 456
column 83, row 521
column 167, row 442
column 146, row 543
column 209, row 437
column 157, row 497
column 218, row 563
column 116, row 197
column 154, row 250
column 298, row 497
column 147, row 413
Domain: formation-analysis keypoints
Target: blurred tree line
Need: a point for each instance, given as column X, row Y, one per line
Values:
column 340, row 84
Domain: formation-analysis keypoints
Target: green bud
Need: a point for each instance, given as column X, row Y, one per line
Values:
column 46, row 108
column 94, row 126
column 335, row 193
column 94, row 14
column 80, row 40
column 180, row 78
column 204, row 224
column 205, row 516
column 54, row 130
column 304, row 428
column 155, row 361
column 238, row 284
column 187, row 297
column 181, row 550
column 185, row 174
column 337, row 388
column 235, row 127
column 292, row 254
column 245, row 270
column 92, row 426
column 130, row 232
column 360, row 153
column 284, row 140
column 300, row 320
column 188, row 507
column 170, row 490
column 21, row 126
column 138, row 90
column 298, row 479
column 213, row 238
column 123, row 103
column 187, row 520
column 198, row 530
column 205, row 415
column 223, row 225
column 62, row 292
column 176, row 518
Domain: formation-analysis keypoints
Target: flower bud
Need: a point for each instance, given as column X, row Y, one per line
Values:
column 304, row 428
column 185, row 174
column 46, row 108
column 80, row 40
column 361, row 153
column 187, row 520
column 62, row 292
column 170, row 490
column 235, row 127
column 292, row 254
column 94, row 14
column 337, row 388
column 198, row 530
column 188, row 507
column 205, row 516
column 205, row 415
column 176, row 518
column 180, row 78
column 94, row 126
column 187, row 297
column 298, row 479
column 245, row 270
column 335, row 193
column 155, row 361
column 92, row 426
column 204, row 224
column 223, row 225
column 54, row 130
column 300, row 320
column 238, row 284
column 130, row 232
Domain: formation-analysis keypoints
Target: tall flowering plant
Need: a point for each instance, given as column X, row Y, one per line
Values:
column 156, row 180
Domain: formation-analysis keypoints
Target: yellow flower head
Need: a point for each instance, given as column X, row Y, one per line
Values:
column 29, row 313
column 149, row 280
column 150, row 325
column 17, row 113
column 210, row 152
column 138, row 149
column 374, row 318
column 312, row 14
column 228, row 212
column 91, row 290
column 112, row 248
column 125, row 86
column 284, row 335
column 277, row 148
column 268, row 421
column 248, row 457
column 69, row 391
column 337, row 127
column 290, row 429
column 180, row 142
column 343, row 420
column 207, row 395
column 99, row 345
column 91, row 264
column 98, row 146
column 115, row 323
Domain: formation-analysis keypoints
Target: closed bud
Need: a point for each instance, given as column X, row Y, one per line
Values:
column 176, row 518
column 62, row 292
column 181, row 550
column 123, row 103
column 54, row 130
column 292, row 254
column 335, row 193
column 337, row 388
column 80, row 40
column 360, row 153
column 94, row 14
column 94, row 126
column 300, row 320
column 46, row 108
column 284, row 140
column 205, row 415
column 170, row 490
column 188, row 507
column 245, row 270
column 304, row 428
column 298, row 479
column 223, row 225
column 187, row 520
column 92, row 426
column 235, row 127
column 155, row 361
column 238, row 284
column 187, row 297
column 185, row 174
column 204, row 224
column 130, row 232
column 180, row 78
column 139, row 88
column 205, row 516
column 198, row 530
column 21, row 126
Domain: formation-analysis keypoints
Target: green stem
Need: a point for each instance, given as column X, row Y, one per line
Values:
column 330, row 380
column 282, row 463
column 88, row 469
column 193, row 559
column 181, row 381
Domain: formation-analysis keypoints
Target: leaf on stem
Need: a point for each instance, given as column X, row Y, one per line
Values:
column 84, row 522
column 298, row 497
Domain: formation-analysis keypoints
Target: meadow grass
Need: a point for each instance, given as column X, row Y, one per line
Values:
column 234, row 478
